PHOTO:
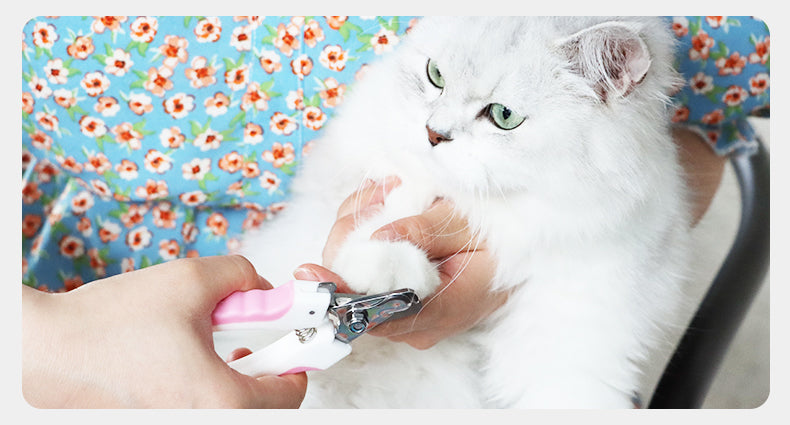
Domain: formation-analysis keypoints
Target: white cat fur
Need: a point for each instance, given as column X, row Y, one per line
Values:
column 583, row 207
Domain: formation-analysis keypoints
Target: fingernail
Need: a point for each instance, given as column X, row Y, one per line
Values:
column 305, row 274
column 386, row 234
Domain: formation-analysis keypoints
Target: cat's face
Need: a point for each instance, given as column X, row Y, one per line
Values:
column 498, row 104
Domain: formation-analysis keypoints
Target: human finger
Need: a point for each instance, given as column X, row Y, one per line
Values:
column 371, row 192
column 439, row 231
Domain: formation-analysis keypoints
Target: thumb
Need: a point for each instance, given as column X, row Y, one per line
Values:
column 279, row 392
column 316, row 273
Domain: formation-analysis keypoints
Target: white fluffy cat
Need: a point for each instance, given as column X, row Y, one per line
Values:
column 559, row 155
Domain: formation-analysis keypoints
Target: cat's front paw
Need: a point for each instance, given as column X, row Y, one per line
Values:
column 375, row 266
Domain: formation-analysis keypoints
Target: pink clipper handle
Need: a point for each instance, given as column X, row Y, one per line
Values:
column 294, row 305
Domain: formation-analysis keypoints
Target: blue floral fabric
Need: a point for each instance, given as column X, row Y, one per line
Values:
column 147, row 139
column 725, row 61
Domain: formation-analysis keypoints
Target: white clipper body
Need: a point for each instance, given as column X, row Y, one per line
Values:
column 324, row 323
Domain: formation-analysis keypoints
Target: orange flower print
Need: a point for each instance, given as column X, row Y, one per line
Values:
column 715, row 21
column 164, row 215
column 107, row 106
column 126, row 169
column 112, row 23
column 97, row 263
column 100, row 188
column 174, row 50
column 85, row 227
column 172, row 138
column 762, row 51
column 208, row 140
column 732, row 65
column 295, row 99
column 241, row 38
column 270, row 61
column 81, row 202
column 69, row 164
column 701, row 45
column 237, row 78
column 208, row 30
column 759, row 83
column 27, row 102
column 313, row 33
column 30, row 225
column 81, row 48
column 71, row 246
column 118, row 63
column 92, row 127
column 681, row 114
column 39, row 87
column 282, row 125
column 713, row 118
column 253, row 21
column 255, row 98
column 734, row 96
column 196, row 169
column 143, row 29
column 332, row 94
column 253, row 220
column 192, row 253
column 179, row 105
column 47, row 121
column 133, row 215
column 384, row 41
column 193, row 199
column 301, row 66
column 169, row 249
column 189, row 232
column 253, row 134
column 71, row 283
column 333, row 57
column 46, row 171
column 236, row 189
column 335, row 22
column 231, row 162
column 64, row 98
column 41, row 140
column 138, row 238
column 55, row 72
column 217, row 105
column 217, row 223
column 701, row 83
column 287, row 39
column 250, row 170
column 279, row 155
column 313, row 118
column 126, row 134
column 98, row 163
column 152, row 190
column 127, row 265
column 95, row 83
column 140, row 104
column 44, row 35
column 200, row 73
column 157, row 162
column 159, row 80
column 269, row 181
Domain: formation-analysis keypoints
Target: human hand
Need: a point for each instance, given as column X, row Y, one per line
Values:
column 463, row 299
column 144, row 339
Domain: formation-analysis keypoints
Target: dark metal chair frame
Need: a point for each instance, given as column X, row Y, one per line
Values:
column 689, row 373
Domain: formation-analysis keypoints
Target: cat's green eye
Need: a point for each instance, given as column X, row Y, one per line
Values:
column 434, row 75
column 504, row 117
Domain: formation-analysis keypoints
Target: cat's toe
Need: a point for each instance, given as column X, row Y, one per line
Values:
column 373, row 266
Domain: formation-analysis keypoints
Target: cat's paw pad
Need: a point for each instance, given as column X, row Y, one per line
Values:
column 374, row 266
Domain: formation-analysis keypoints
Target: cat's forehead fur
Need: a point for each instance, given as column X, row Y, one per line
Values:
column 466, row 48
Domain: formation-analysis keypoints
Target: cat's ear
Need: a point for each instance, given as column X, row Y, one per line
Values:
column 612, row 56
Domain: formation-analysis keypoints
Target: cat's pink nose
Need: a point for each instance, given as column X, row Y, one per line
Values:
column 435, row 137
